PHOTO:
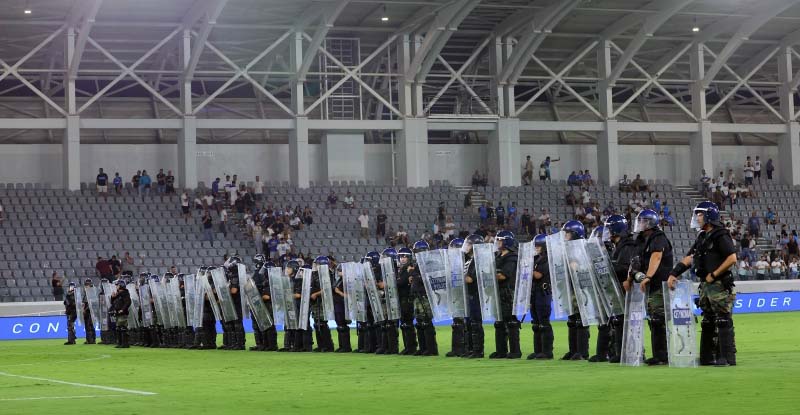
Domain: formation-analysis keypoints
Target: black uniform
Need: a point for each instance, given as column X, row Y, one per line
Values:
column 342, row 323
column 266, row 340
column 235, row 328
column 717, row 338
column 656, row 241
column 621, row 255
column 406, row 310
column 603, row 349
column 88, row 322
column 506, row 331
column 71, row 311
column 426, row 332
column 120, row 305
column 303, row 341
column 321, row 329
column 474, row 322
column 541, row 298
column 209, row 321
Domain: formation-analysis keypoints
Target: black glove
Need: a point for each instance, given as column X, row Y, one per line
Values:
column 636, row 264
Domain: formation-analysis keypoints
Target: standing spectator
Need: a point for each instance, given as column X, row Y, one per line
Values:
column 363, row 221
column 170, row 181
column 468, row 201
column 283, row 247
column 103, row 268
column 754, row 225
column 544, row 221
column 743, row 269
column 135, row 182
column 586, row 198
column 117, row 184
column 127, row 262
column 257, row 238
column 144, row 184
column 747, row 252
column 198, row 203
column 749, row 172
column 500, row 215
column 332, row 199
column 58, row 286
column 624, row 184
column 223, row 222
column 2, row 214
column 757, row 169
column 777, row 267
column 258, row 188
column 272, row 246
column 483, row 213
column 349, row 202
column 770, row 169
column 440, row 215
column 207, row 202
column 215, row 187
column 587, row 178
column 525, row 222
column 547, row 162
column 402, row 236
column 116, row 265
column 761, row 268
column 208, row 227
column 187, row 213
column 527, row 175
column 449, row 228
column 161, row 180
column 308, row 216
column 718, row 198
column 102, row 183
column 573, row 179
column 770, row 218
column 794, row 268
column 381, row 224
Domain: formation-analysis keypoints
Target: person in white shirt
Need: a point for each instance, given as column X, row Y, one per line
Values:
column 258, row 238
column 586, row 198
column 349, row 202
column 223, row 221
column 761, row 268
column 449, row 227
column 185, row 209
column 363, row 221
column 258, row 188
column 209, row 200
column 296, row 223
column 198, row 204
column 748, row 171
column 794, row 268
column 757, row 169
column 777, row 268
column 283, row 247
column 744, row 270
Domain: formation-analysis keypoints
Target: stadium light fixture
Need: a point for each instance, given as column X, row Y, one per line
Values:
column 384, row 16
column 695, row 27
column 27, row 9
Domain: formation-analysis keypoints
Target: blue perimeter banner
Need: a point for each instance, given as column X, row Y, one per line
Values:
column 55, row 327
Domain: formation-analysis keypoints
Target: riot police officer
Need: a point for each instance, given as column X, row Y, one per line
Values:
column 506, row 331
column 541, row 298
column 711, row 258
column 458, row 341
column 259, row 276
column 390, row 334
column 342, row 323
column 120, row 305
column 88, row 322
column 209, row 319
column 405, row 264
column 616, row 232
column 321, row 329
column 236, row 327
column 376, row 329
column 426, row 333
column 303, row 340
column 578, row 334
column 652, row 268
column 474, row 321
column 603, row 330
column 71, row 311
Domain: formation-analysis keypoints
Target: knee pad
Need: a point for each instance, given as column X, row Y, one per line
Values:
column 546, row 327
column 513, row 324
column 708, row 323
column 724, row 321
column 499, row 324
column 573, row 322
column 536, row 327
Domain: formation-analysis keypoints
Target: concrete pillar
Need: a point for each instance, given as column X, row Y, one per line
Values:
column 789, row 155
column 608, row 154
column 505, row 160
column 343, row 156
column 71, row 154
column 412, row 149
column 298, row 153
column 187, row 154
column 700, row 151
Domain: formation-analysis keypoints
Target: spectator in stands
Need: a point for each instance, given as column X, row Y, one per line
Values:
column 296, row 223
column 757, row 168
column 449, row 228
column 587, row 178
column 2, row 214
column 500, row 215
column 754, row 225
column 308, row 216
column 777, row 267
column 468, row 201
column 770, row 218
column 589, row 221
column 135, row 181
column 571, row 199
column 761, row 268
column 747, row 245
column 103, row 268
column 272, row 246
column 348, row 201
column 718, row 198
column 483, row 213
column 332, row 199
column 258, row 188
column 127, row 262
column 58, row 286
column 117, row 184
column 580, row 213
column 170, row 180
column 638, row 185
column 726, row 192
column 573, row 179
column 527, row 172
column 401, row 237
column 198, row 203
column 743, row 269
column 770, row 169
column 731, row 176
column 586, row 198
column 380, row 228
column 547, row 162
column 102, row 183
column 525, row 222
column 208, row 202
column 161, row 182
column 215, row 187
column 666, row 219
column 704, row 180
column 543, row 221
column 363, row 221
column 749, row 171
column 144, row 184
column 794, row 268
column 208, row 227
column 283, row 247
column 185, row 209
column 116, row 265
column 223, row 221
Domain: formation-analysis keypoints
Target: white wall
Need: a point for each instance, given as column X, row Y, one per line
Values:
column 41, row 163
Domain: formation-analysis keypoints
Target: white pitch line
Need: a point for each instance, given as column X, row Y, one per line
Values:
column 84, row 385
column 101, row 357
column 41, row 398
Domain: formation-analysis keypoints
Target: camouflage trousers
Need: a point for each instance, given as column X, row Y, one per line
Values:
column 122, row 321
column 317, row 311
column 716, row 299
column 422, row 309
column 655, row 305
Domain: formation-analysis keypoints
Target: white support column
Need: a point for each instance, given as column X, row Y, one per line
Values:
column 187, row 153
column 608, row 154
column 504, row 154
column 295, row 62
column 608, row 139
column 788, row 143
column 412, row 146
column 343, row 156
column 298, row 153
column 404, row 85
column 699, row 142
column 71, row 154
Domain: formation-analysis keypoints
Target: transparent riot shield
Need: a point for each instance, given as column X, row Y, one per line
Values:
column 524, row 280
column 94, row 304
column 276, row 295
column 222, row 288
column 390, row 288
column 433, row 268
column 487, row 281
column 146, row 303
column 190, row 294
column 255, row 303
column 211, row 296
column 103, row 307
column 292, row 317
column 633, row 329
column 133, row 310
column 583, row 282
column 305, row 298
column 607, row 283
column 681, row 331
column 179, row 314
column 371, row 287
column 456, row 287
column 159, row 306
column 355, row 296
column 79, row 303
column 559, row 276
column 323, row 271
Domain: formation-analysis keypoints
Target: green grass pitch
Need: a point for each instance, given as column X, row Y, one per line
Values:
column 766, row 380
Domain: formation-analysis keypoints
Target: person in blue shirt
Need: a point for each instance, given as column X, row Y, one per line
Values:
column 144, row 183
column 272, row 246
column 587, row 178
column 547, row 162
column 657, row 204
column 215, row 187
column 483, row 213
column 573, row 179
column 666, row 209
column 512, row 208
column 117, row 183
column 500, row 213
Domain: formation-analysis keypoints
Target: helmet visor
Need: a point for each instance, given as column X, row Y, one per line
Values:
column 698, row 219
column 606, row 237
column 642, row 224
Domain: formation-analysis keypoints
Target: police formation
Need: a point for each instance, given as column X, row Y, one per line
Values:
column 613, row 279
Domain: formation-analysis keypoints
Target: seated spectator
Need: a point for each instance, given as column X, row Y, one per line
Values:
column 638, row 185
column 145, row 184
column 580, row 213
column 58, row 286
column 770, row 218
column 586, row 198
column 449, row 228
column 794, row 268
column 587, row 178
column 135, row 181
column 117, row 184
column 754, row 225
column 624, row 184
column 589, row 221
column 348, row 201
column 777, row 267
column 296, row 223
column 308, row 216
column 573, row 179
column 198, row 203
column 571, row 199
column 401, row 236
column 666, row 219
column 332, row 199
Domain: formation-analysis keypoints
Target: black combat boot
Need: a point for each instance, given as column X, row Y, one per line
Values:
column 431, row 348
column 615, row 353
column 726, row 350
column 409, row 339
column 547, row 342
column 392, row 346
column 582, row 343
column 307, row 339
column 360, row 337
column 324, row 337
column 259, row 336
column 572, row 338
column 500, row 341
column 477, row 335
column 603, row 339
column 537, row 341
column 457, row 341
column 658, row 340
column 514, row 351
column 380, row 337
column 420, row 340
column 344, row 340
column 271, row 339
column 197, row 339
column 123, row 339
